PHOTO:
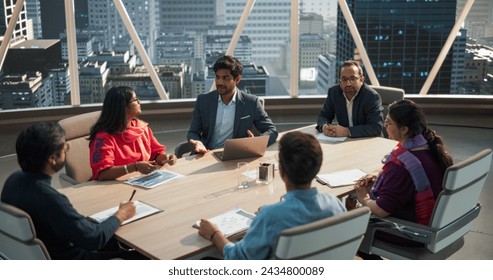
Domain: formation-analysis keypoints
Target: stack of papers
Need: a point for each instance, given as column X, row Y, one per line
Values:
column 231, row 222
column 323, row 138
column 340, row 178
column 142, row 210
column 153, row 179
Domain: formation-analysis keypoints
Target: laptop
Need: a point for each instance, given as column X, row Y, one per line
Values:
column 243, row 148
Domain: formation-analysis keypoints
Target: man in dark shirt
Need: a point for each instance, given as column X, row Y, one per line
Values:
column 66, row 234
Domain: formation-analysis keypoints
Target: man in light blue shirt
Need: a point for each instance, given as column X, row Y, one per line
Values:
column 224, row 122
column 227, row 112
column 300, row 158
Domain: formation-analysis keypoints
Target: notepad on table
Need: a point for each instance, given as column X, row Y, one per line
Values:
column 142, row 210
column 231, row 222
column 340, row 178
column 153, row 179
column 324, row 138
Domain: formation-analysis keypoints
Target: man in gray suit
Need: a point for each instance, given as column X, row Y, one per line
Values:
column 357, row 107
column 227, row 112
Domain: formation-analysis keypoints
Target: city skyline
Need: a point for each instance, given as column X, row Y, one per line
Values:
column 265, row 43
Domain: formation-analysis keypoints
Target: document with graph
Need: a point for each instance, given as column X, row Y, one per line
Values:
column 153, row 179
column 232, row 222
column 142, row 210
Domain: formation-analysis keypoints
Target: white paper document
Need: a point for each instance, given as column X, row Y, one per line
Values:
column 153, row 179
column 323, row 138
column 142, row 210
column 340, row 178
column 232, row 222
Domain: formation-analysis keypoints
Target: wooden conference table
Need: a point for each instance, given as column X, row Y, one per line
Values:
column 209, row 188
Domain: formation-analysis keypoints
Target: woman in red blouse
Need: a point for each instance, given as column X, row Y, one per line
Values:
column 120, row 143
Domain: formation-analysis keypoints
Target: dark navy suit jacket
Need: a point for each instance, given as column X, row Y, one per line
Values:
column 248, row 113
column 367, row 112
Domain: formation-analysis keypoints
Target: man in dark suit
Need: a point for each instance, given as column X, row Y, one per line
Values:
column 227, row 112
column 357, row 107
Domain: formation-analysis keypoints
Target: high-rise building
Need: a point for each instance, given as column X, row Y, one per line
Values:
column 175, row 48
column 20, row 30
column 220, row 43
column 326, row 8
column 94, row 83
column 458, row 61
column 33, row 8
column 267, row 25
column 188, row 15
column 60, row 76
column 402, row 40
column 104, row 15
column 311, row 23
column 479, row 21
column 32, row 55
column 26, row 91
column 326, row 67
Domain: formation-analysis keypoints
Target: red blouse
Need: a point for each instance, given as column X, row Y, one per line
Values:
column 137, row 143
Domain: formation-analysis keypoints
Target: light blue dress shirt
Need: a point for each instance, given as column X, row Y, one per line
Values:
column 225, row 120
column 298, row 207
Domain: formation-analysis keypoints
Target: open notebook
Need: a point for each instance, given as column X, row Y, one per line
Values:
column 142, row 210
column 340, row 178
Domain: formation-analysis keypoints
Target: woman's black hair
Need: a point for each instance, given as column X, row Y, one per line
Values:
column 113, row 118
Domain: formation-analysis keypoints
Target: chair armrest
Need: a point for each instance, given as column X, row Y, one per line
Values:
column 66, row 181
column 402, row 228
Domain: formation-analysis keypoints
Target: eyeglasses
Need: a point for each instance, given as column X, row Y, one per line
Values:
column 388, row 122
column 352, row 79
column 134, row 100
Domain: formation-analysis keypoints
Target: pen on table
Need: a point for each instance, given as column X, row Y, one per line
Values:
column 132, row 196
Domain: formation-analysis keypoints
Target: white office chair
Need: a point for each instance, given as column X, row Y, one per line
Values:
column 77, row 166
column 388, row 95
column 455, row 209
column 18, row 237
column 337, row 237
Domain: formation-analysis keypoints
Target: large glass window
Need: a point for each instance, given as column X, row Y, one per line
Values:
column 182, row 39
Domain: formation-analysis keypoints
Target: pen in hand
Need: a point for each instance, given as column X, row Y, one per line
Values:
column 132, row 196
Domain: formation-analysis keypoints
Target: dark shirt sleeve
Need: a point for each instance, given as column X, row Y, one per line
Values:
column 396, row 194
column 264, row 124
column 327, row 113
column 67, row 222
column 195, row 130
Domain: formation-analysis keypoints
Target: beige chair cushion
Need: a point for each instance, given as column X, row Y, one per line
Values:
column 77, row 130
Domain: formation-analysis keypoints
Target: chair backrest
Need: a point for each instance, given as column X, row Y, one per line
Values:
column 388, row 95
column 77, row 130
column 337, row 237
column 17, row 236
column 183, row 148
column 462, row 186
